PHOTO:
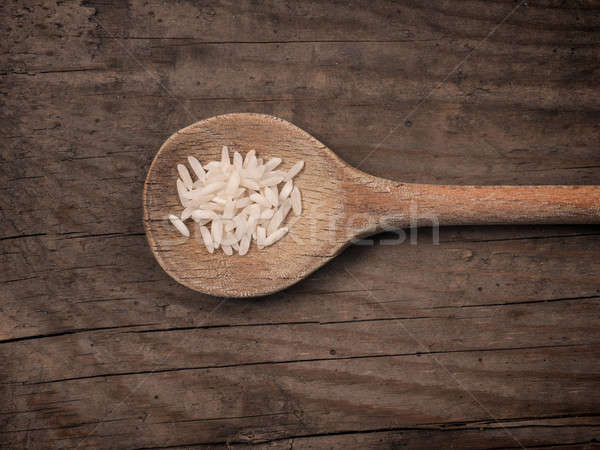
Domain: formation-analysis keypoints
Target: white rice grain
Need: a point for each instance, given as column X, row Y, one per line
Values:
column 244, row 245
column 271, row 196
column 275, row 190
column 181, row 191
column 237, row 161
column 210, row 205
column 220, row 201
column 286, row 190
column 206, row 237
column 228, row 239
column 241, row 226
column 272, row 163
column 214, row 176
column 275, row 236
column 242, row 202
column 285, row 207
column 261, row 234
column 270, row 181
column 177, row 223
column 185, row 176
column 260, row 200
column 213, row 165
column 296, row 168
column 197, row 168
column 207, row 190
column 186, row 214
column 279, row 216
column 252, row 222
column 225, row 161
column 202, row 214
column 250, row 184
column 250, row 160
column 229, row 209
column 234, row 182
column 296, row 201
column 216, row 231
column 267, row 213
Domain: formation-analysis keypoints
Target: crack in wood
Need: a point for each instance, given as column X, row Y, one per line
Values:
column 22, row 236
column 438, row 427
column 302, row 361
column 67, row 332
column 524, row 302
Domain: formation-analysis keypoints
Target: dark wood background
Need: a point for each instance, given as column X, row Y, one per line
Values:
column 487, row 340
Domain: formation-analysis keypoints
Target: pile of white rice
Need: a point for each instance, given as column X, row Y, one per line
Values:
column 241, row 200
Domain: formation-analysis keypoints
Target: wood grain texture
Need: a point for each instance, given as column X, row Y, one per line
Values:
column 101, row 349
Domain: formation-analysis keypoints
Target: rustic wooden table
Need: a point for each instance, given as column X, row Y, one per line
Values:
column 487, row 340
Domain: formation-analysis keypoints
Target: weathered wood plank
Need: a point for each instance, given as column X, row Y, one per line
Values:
column 81, row 283
column 279, row 400
column 90, row 91
column 123, row 350
column 552, row 434
column 544, row 436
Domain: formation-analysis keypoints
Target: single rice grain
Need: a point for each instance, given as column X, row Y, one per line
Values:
column 225, row 161
column 186, row 214
column 252, row 222
column 242, row 202
column 271, row 196
column 257, row 198
column 296, row 168
column 261, row 235
column 250, row 184
column 267, row 213
column 275, row 236
column 234, row 183
column 185, row 176
column 228, row 239
column 207, row 238
column 177, row 223
column 181, row 191
column 237, row 161
column 296, row 201
column 201, row 214
column 286, row 190
column 250, row 160
column 229, row 209
column 197, row 168
column 272, row 163
column 216, row 230
column 270, row 180
column 244, row 245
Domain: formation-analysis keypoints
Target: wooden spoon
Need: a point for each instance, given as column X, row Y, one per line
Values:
column 340, row 204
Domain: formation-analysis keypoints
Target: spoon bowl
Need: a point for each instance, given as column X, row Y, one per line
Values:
column 308, row 244
column 340, row 204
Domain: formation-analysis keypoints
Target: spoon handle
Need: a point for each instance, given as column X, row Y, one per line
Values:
column 387, row 203
column 490, row 205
